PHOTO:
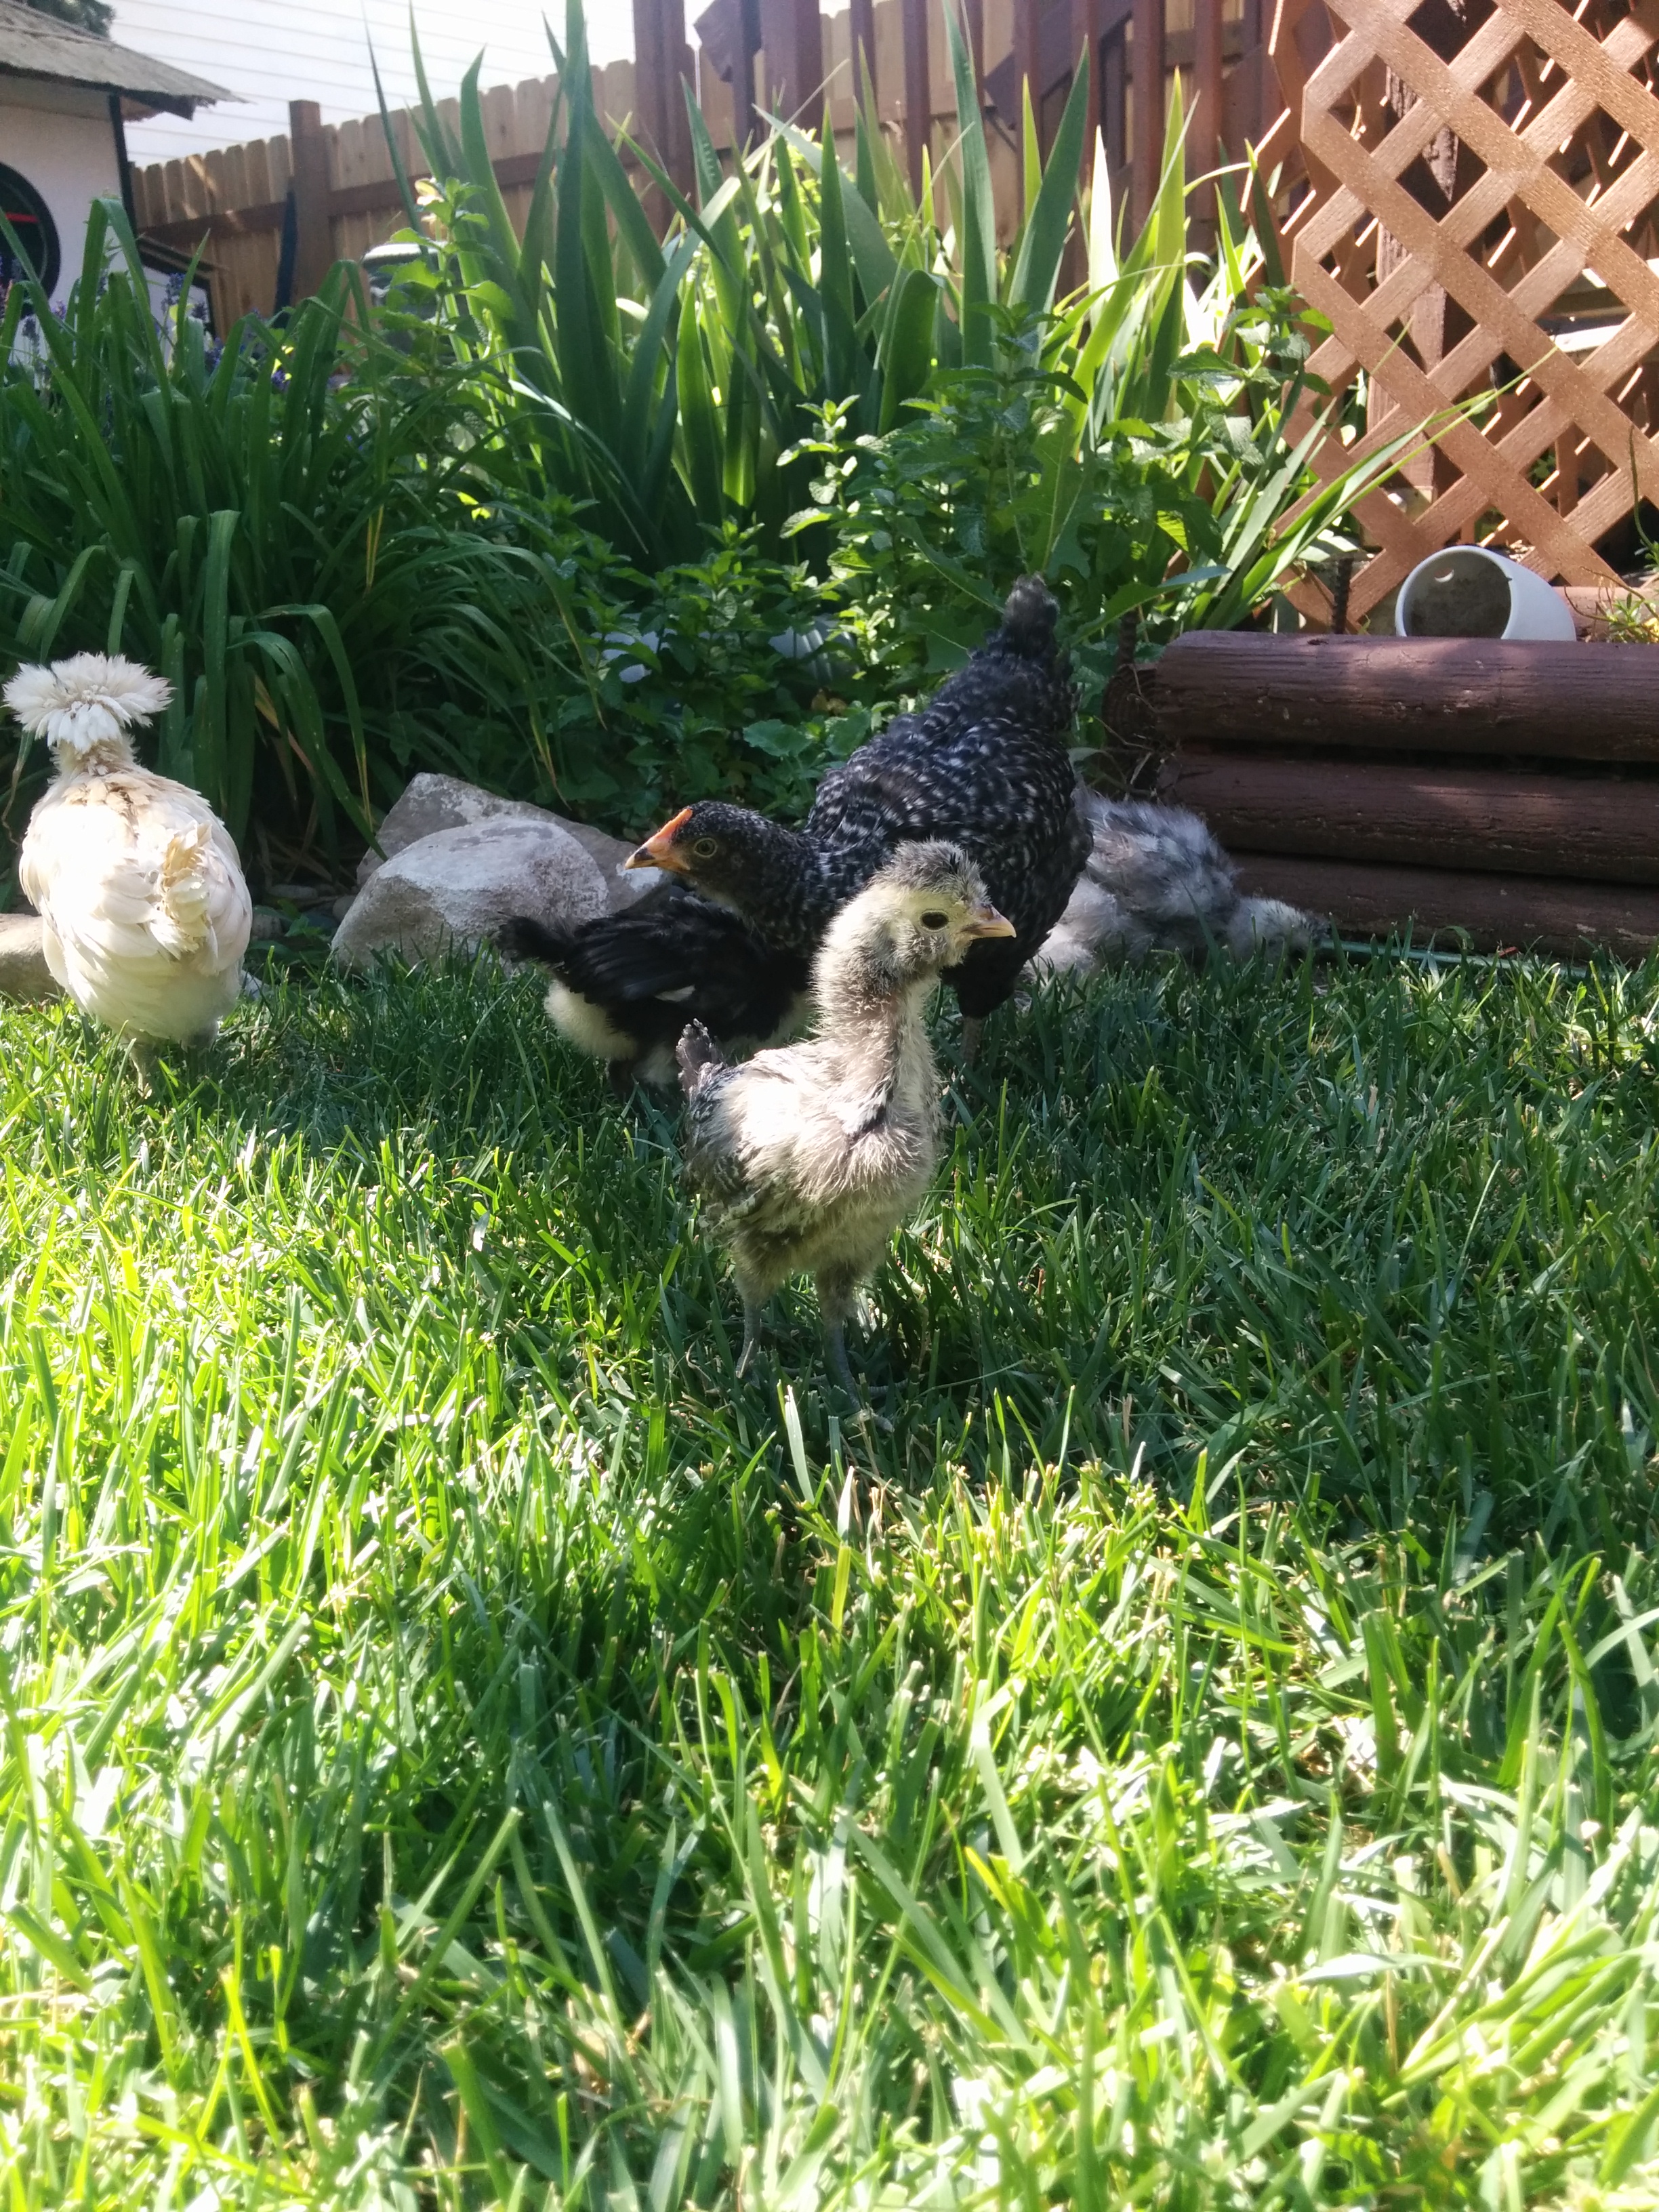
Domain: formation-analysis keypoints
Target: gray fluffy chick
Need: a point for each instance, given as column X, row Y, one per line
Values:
column 809, row 1157
column 1157, row 881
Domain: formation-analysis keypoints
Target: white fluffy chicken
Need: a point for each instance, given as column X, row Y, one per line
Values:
column 135, row 879
column 809, row 1157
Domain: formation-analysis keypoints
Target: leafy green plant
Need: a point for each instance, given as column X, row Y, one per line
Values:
column 670, row 385
column 722, row 677
column 294, row 528
column 661, row 383
column 766, row 364
column 1133, row 446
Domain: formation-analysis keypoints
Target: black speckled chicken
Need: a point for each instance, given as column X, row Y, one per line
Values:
column 985, row 765
column 808, row 1158
column 625, row 986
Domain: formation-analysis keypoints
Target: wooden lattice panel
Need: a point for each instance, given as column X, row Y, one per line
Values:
column 1482, row 215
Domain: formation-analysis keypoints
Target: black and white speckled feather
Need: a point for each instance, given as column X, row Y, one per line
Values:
column 985, row 764
column 1158, row 881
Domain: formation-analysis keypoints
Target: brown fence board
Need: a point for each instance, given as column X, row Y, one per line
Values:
column 232, row 202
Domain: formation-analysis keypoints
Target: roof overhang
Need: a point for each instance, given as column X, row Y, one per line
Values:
column 46, row 52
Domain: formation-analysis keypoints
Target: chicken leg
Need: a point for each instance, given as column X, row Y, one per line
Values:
column 973, row 1031
column 752, row 1311
column 836, row 1292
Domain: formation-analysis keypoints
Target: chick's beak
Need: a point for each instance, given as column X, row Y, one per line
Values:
column 657, row 852
column 986, row 921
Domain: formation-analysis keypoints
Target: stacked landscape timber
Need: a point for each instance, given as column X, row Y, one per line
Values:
column 1506, row 792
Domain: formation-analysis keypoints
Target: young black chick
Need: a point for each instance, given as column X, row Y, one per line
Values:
column 985, row 765
column 808, row 1158
column 624, row 986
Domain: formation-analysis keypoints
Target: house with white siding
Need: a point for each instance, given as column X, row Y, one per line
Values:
column 272, row 52
column 66, row 102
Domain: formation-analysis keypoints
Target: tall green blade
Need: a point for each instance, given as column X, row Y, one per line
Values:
column 979, row 217
column 697, row 422
column 1042, row 240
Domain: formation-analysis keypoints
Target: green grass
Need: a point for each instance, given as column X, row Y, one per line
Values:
column 459, row 1748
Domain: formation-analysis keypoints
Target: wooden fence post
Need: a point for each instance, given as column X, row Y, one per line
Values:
column 918, row 87
column 314, row 244
column 791, row 39
column 1027, row 67
column 1086, row 41
column 662, row 59
column 863, row 41
column 1207, row 78
column 1149, row 114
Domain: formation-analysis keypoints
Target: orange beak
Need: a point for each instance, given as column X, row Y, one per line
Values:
column 986, row 921
column 659, row 852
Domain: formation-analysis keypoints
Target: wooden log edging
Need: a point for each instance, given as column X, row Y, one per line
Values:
column 1427, row 834
column 1549, row 700
column 1591, row 828
column 1565, row 920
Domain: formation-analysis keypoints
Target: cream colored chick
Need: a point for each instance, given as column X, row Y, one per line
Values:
column 809, row 1157
column 145, row 910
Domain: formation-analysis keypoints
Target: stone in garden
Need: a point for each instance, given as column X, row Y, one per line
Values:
column 434, row 802
column 453, row 889
column 23, row 970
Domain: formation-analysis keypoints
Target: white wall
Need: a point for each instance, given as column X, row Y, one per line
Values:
column 272, row 52
column 69, row 158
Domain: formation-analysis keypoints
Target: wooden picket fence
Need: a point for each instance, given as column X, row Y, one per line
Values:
column 1473, row 204
column 330, row 189
column 1468, row 193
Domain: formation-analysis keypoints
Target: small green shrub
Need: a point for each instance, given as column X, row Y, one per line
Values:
column 300, row 529
column 720, row 679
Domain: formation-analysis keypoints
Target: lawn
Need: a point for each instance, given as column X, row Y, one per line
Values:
column 460, row 1748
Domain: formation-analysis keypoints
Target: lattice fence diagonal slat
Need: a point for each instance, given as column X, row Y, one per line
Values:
column 1482, row 217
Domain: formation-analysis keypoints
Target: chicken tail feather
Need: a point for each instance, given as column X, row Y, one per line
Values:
column 521, row 937
column 183, row 922
column 1029, row 615
column 698, row 1058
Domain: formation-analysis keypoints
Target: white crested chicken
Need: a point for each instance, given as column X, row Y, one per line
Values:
column 808, row 1157
column 146, row 915
column 985, row 765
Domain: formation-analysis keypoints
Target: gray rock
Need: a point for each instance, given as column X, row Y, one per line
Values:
column 453, row 889
column 23, row 970
column 434, row 802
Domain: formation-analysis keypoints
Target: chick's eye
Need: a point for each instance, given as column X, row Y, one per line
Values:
column 706, row 848
column 934, row 920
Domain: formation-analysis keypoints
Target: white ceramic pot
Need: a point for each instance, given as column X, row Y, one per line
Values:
column 1469, row 591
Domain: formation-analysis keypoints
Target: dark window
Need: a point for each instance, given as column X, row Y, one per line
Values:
column 32, row 227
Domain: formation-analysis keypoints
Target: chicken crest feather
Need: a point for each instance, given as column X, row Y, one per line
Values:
column 85, row 702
